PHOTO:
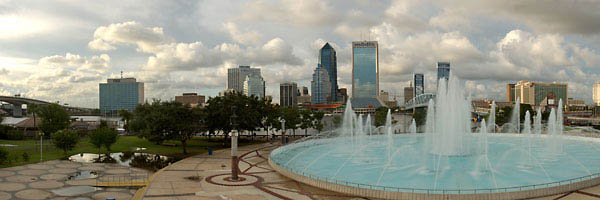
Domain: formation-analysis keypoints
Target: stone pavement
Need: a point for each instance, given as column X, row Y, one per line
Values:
column 50, row 180
column 205, row 177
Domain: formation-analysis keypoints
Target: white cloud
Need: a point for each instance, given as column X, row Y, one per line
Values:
column 146, row 38
column 98, row 64
column 242, row 36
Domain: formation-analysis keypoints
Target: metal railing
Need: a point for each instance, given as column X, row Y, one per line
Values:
column 130, row 180
column 442, row 191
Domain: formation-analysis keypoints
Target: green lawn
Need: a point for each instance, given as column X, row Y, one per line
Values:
column 124, row 143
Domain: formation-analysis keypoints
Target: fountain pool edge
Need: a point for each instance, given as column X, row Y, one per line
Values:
column 388, row 193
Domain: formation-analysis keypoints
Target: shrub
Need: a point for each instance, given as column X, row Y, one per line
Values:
column 3, row 155
column 25, row 157
column 16, row 135
column 65, row 140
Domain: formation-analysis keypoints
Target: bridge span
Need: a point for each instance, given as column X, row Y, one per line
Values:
column 17, row 103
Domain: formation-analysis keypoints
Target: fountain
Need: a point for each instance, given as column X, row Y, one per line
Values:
column 448, row 160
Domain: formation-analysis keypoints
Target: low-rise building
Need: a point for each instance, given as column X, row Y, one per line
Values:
column 193, row 99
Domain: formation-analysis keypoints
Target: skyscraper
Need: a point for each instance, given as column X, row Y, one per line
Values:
column 254, row 85
column 304, row 90
column 510, row 92
column 288, row 94
column 120, row 94
column 320, row 86
column 409, row 93
column 328, row 61
column 596, row 94
column 443, row 70
column 365, row 74
column 237, row 76
column 419, row 84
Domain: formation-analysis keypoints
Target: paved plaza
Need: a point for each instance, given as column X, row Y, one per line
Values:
column 58, row 179
column 205, row 177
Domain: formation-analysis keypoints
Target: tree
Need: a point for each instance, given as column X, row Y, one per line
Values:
column 420, row 116
column 104, row 136
column 337, row 121
column 32, row 109
column 54, row 118
column 126, row 115
column 291, row 115
column 306, row 121
column 380, row 116
column 65, row 140
column 317, row 122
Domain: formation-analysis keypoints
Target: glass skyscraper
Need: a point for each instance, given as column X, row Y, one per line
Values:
column 365, row 69
column 120, row 94
column 237, row 76
column 288, row 94
column 443, row 70
column 328, row 61
column 419, row 84
column 254, row 85
column 320, row 86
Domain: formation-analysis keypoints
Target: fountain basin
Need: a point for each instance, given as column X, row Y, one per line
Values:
column 516, row 166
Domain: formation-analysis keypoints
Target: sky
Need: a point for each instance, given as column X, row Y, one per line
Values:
column 61, row 50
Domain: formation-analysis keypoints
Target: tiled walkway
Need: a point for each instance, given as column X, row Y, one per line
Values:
column 202, row 177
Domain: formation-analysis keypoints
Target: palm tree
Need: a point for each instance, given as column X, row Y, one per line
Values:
column 127, row 116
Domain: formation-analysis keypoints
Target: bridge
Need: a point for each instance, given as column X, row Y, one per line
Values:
column 17, row 103
column 420, row 101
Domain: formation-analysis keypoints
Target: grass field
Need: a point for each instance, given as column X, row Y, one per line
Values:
column 123, row 144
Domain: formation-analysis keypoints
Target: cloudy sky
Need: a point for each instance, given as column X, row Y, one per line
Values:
column 60, row 50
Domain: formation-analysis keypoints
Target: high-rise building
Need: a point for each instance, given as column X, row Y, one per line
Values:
column 419, row 84
column 288, row 94
column 120, row 94
column 365, row 75
column 342, row 95
column 443, row 70
column 193, row 99
column 254, row 85
column 540, row 93
column 596, row 94
column 304, row 91
column 237, row 76
column 320, row 86
column 328, row 61
column 409, row 93
column 365, row 69
column 510, row 92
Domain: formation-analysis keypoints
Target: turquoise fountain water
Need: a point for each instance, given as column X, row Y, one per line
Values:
column 448, row 156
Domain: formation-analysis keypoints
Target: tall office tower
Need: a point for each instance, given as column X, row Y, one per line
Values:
column 288, row 94
column 365, row 75
column 540, row 93
column 254, row 85
column 409, row 93
column 443, row 70
column 328, row 61
column 120, row 94
column 365, row 69
column 510, row 93
column 596, row 94
column 237, row 76
column 320, row 86
column 419, row 84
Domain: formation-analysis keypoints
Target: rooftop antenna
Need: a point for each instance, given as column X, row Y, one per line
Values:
column 121, row 74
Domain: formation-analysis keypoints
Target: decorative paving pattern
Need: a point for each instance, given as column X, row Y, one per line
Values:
column 204, row 177
column 50, row 180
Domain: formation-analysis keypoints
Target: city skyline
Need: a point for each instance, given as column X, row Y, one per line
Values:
column 66, row 61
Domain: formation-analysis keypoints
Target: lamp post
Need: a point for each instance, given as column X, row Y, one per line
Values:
column 41, row 146
column 234, row 144
column 282, row 130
